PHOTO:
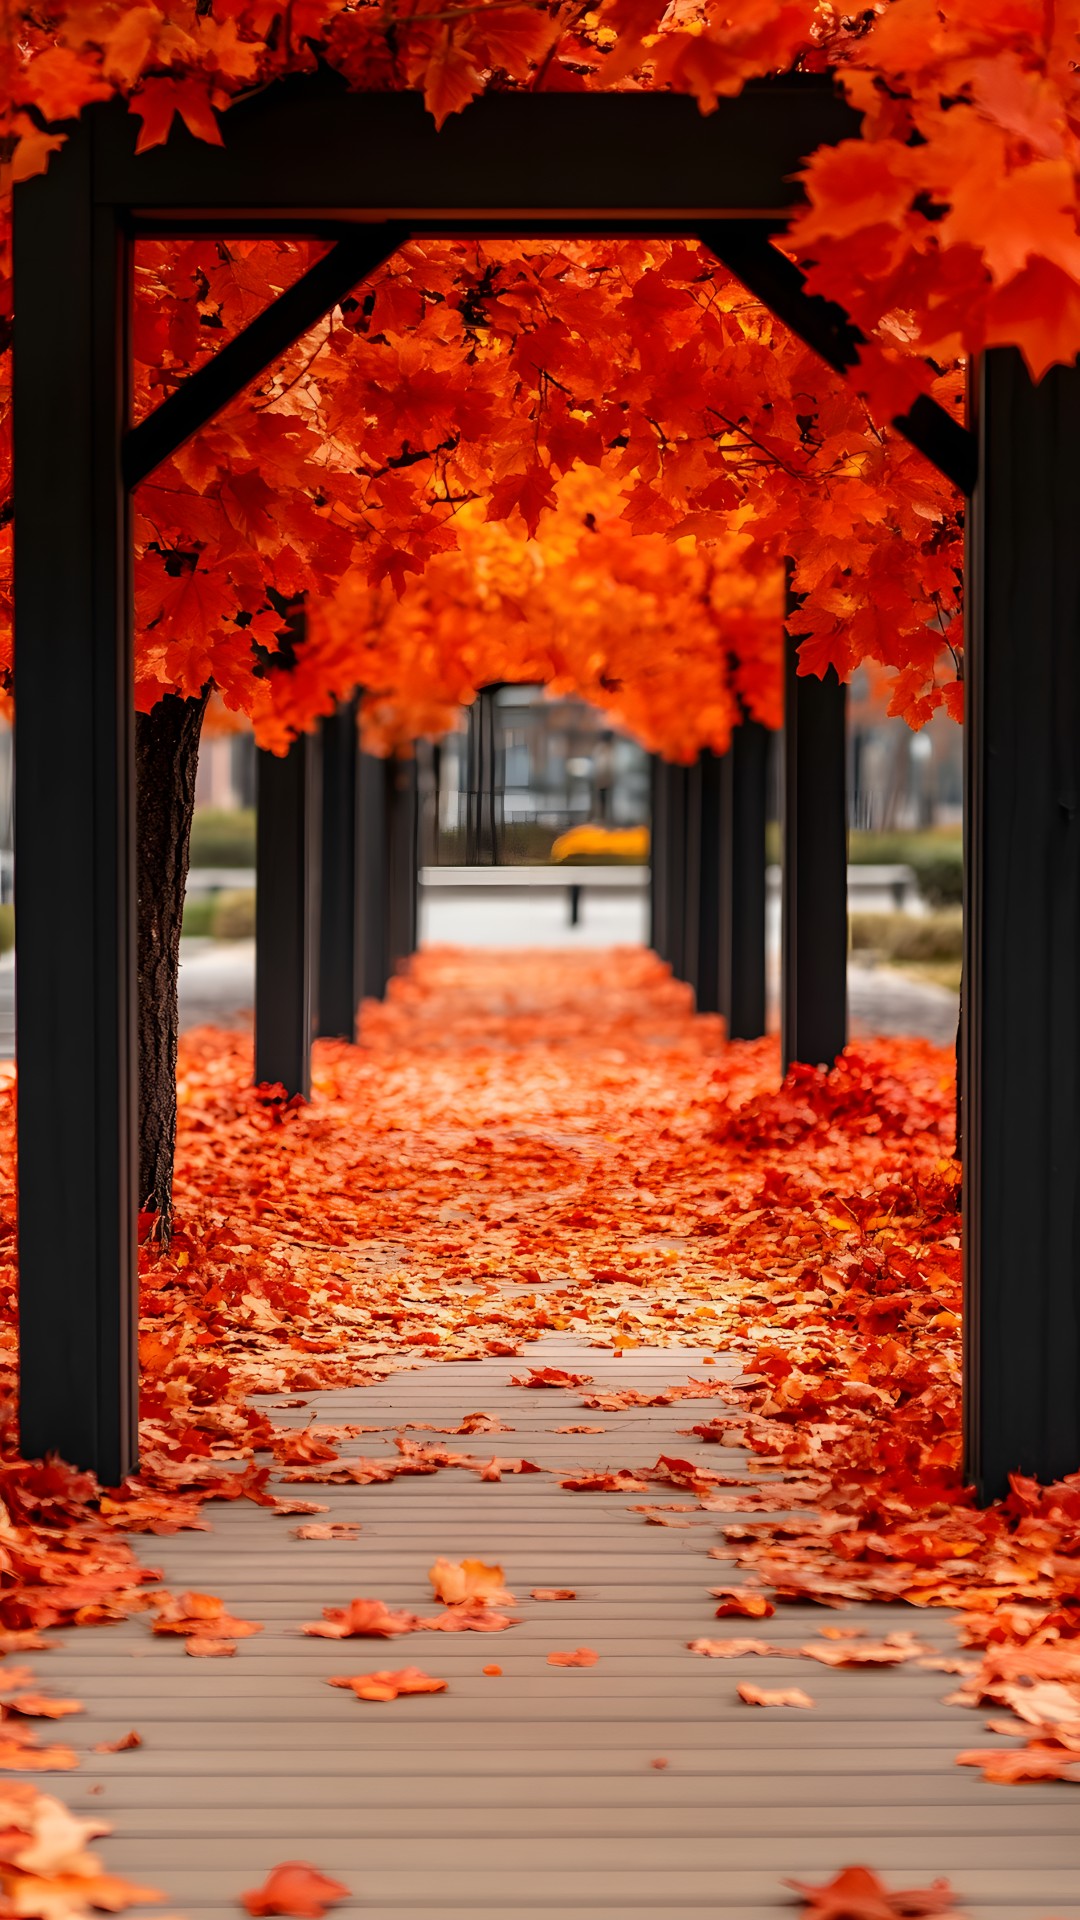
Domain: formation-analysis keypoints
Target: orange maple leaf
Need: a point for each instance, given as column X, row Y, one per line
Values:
column 294, row 1888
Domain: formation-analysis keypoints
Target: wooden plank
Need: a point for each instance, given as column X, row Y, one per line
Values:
column 606, row 1886
column 636, row 1813
column 532, row 1795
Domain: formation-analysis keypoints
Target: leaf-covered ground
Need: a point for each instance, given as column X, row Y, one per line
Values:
column 534, row 1143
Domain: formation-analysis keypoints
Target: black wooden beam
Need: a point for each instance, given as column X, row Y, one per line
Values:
column 74, row 828
column 745, row 247
column 242, row 360
column 288, row 822
column 1021, row 1012
column 309, row 146
column 741, row 939
column 340, row 985
column 813, row 926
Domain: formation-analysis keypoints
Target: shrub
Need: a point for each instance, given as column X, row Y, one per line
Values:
column 936, row 857
column 924, row 938
column 198, row 916
column 941, row 877
column 223, row 837
column 604, row 846
column 233, row 916
column 521, row 843
column 7, row 928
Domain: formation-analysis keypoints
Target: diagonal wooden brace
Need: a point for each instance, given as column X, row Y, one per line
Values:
column 745, row 248
column 271, row 334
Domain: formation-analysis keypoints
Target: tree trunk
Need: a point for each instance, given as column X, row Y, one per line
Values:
column 166, row 759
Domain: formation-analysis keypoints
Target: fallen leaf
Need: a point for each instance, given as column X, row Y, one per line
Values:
column 372, row 1618
column 469, row 1583
column 580, row 1657
column 551, row 1377
column 297, row 1889
column 1007, row 1766
column 327, row 1530
column 773, row 1696
column 124, row 1745
column 202, row 1614
column 893, row 1651
column 729, row 1649
column 553, row 1593
column 742, row 1601
column 388, row 1686
column 468, row 1619
column 857, row 1894
column 38, row 1706
column 621, row 1481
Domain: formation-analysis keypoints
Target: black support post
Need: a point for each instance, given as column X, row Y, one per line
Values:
column 287, row 914
column 74, row 826
column 658, row 873
column 483, row 788
column 1021, row 1013
column 373, row 778
column 403, row 877
column 675, row 855
column 813, row 956
column 340, row 985
column 669, row 835
column 741, row 934
column 703, row 864
column 691, row 900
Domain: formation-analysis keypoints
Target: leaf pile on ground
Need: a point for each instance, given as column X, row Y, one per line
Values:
column 530, row 1144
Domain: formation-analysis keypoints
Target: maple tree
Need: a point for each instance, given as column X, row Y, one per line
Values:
column 468, row 386
column 687, row 406
column 583, row 465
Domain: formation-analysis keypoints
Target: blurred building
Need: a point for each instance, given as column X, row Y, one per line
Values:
column 522, row 769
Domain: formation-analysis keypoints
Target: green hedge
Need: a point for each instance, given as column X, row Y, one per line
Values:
column 7, row 928
column 223, row 837
column 936, row 856
column 234, row 915
column 923, row 938
column 522, row 843
column 229, row 915
column 198, row 917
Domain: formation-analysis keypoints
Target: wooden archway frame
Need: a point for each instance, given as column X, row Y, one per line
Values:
column 308, row 157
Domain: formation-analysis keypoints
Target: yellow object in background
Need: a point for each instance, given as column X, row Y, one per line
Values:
column 602, row 843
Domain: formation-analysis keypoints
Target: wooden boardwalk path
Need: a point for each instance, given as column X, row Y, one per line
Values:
column 532, row 1795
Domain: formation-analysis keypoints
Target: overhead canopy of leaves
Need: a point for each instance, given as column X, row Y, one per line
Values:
column 465, row 383
column 583, row 464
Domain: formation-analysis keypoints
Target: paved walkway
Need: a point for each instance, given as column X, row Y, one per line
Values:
column 533, row 1795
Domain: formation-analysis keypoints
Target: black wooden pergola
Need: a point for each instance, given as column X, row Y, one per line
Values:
column 306, row 157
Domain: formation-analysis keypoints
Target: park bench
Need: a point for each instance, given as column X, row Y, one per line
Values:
column 866, row 884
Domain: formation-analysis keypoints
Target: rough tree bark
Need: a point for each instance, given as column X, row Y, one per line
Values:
column 166, row 760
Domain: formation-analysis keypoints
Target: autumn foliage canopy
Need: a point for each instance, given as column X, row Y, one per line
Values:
column 487, row 438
